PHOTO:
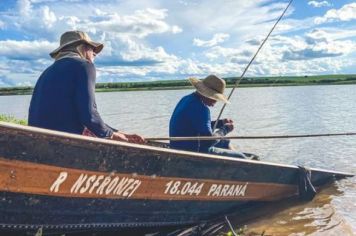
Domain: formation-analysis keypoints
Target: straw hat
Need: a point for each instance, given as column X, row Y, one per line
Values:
column 211, row 87
column 76, row 37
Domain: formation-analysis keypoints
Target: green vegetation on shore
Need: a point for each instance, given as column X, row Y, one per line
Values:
column 182, row 84
column 12, row 119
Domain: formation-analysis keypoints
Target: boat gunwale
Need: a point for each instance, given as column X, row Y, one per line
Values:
column 151, row 148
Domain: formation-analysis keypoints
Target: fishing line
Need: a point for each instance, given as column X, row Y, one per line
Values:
column 253, row 58
column 250, row 137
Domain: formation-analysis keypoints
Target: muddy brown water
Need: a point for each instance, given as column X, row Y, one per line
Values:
column 262, row 111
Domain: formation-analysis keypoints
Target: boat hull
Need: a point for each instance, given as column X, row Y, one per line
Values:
column 61, row 181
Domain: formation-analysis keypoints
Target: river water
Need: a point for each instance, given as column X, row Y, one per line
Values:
column 262, row 111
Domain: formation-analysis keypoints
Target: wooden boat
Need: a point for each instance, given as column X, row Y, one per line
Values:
column 62, row 181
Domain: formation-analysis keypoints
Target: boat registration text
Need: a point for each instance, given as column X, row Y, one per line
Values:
column 125, row 186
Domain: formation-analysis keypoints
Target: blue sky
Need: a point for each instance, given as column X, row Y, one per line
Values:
column 158, row 39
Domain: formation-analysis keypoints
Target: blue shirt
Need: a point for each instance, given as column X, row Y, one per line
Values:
column 63, row 99
column 191, row 117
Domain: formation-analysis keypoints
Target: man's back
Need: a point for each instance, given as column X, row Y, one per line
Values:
column 56, row 97
column 190, row 118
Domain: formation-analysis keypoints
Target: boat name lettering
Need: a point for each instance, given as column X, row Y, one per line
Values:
column 60, row 179
column 99, row 184
column 227, row 190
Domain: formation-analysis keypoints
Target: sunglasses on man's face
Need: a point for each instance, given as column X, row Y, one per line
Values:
column 91, row 48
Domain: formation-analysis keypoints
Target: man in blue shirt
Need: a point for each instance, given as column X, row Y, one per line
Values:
column 191, row 117
column 63, row 98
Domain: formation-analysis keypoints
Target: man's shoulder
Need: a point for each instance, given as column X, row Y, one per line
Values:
column 191, row 98
column 192, row 103
column 75, row 62
column 196, row 101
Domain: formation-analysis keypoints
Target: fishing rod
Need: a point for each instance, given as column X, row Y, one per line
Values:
column 248, row 137
column 253, row 58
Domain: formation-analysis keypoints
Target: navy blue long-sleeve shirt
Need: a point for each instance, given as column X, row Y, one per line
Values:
column 191, row 118
column 63, row 99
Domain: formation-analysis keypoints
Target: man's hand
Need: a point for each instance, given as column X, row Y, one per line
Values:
column 228, row 124
column 227, row 121
column 134, row 138
column 119, row 137
column 130, row 138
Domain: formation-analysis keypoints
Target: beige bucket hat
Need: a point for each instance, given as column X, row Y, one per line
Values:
column 76, row 37
column 211, row 87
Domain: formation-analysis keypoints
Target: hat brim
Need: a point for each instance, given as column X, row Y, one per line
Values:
column 208, row 92
column 97, row 46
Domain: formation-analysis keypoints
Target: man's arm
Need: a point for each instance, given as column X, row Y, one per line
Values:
column 202, row 123
column 224, row 127
column 85, row 101
column 88, row 113
column 219, row 125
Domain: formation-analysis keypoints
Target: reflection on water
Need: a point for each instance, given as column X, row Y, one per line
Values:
column 292, row 217
column 287, row 217
column 262, row 111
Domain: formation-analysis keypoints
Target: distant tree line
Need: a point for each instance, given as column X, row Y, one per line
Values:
column 230, row 81
column 166, row 83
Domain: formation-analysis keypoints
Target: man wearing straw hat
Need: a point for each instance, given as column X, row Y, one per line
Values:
column 63, row 98
column 191, row 117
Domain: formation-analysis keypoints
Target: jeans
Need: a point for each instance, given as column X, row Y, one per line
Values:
column 222, row 149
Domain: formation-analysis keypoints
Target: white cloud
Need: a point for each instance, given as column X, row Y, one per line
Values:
column 322, row 50
column 299, row 68
column 333, row 33
column 175, row 69
column 243, row 19
column 318, row 51
column 319, row 3
column 71, row 21
column 51, row 22
column 289, row 25
column 24, row 7
column 123, row 50
column 20, row 72
column 26, row 50
column 152, row 39
column 254, row 41
column 315, row 45
column 217, row 38
column 140, row 52
column 123, row 36
column 49, row 18
column 140, row 24
column 229, row 54
column 345, row 13
column 176, row 29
